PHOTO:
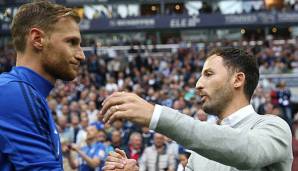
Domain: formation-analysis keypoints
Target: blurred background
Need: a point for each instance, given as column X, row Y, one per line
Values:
column 157, row 50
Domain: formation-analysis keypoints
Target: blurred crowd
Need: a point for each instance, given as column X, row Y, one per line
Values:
column 167, row 80
column 206, row 7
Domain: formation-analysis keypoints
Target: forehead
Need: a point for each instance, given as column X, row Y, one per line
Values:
column 91, row 127
column 136, row 137
column 214, row 62
column 66, row 27
column 156, row 135
column 116, row 133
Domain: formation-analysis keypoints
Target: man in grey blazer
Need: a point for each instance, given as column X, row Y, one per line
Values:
column 242, row 139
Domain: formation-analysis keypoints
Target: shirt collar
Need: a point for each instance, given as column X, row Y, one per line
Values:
column 41, row 85
column 237, row 116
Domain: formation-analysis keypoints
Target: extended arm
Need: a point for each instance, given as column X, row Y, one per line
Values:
column 268, row 142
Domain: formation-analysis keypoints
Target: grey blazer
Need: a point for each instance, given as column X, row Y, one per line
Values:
column 256, row 143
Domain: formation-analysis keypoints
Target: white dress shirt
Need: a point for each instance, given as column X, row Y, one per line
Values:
column 231, row 120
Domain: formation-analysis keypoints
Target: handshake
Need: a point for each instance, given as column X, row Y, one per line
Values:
column 117, row 161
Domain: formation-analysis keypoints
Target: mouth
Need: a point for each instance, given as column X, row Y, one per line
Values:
column 203, row 98
column 75, row 65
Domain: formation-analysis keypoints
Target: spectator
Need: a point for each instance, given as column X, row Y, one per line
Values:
column 183, row 159
column 157, row 157
column 147, row 136
column 65, row 133
column 82, row 133
column 284, row 101
column 91, row 156
column 92, row 112
column 102, row 137
column 134, row 149
column 116, row 140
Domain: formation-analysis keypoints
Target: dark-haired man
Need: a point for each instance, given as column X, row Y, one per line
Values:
column 47, row 40
column 242, row 140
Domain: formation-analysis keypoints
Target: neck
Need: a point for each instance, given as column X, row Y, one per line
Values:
column 32, row 61
column 234, row 105
column 91, row 141
column 159, row 148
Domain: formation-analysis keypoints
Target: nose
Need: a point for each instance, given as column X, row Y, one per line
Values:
column 199, row 84
column 80, row 54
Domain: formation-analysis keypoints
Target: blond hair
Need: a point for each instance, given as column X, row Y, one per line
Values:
column 41, row 14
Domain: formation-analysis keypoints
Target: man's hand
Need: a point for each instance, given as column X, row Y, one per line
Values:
column 117, row 161
column 122, row 105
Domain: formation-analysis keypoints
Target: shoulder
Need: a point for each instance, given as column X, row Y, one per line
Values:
column 149, row 149
column 10, row 82
column 273, row 124
column 10, row 89
column 271, row 120
column 6, row 78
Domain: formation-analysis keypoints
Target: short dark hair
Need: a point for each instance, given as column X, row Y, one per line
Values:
column 238, row 60
column 41, row 14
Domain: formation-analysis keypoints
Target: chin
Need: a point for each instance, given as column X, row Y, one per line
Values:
column 68, row 77
column 208, row 109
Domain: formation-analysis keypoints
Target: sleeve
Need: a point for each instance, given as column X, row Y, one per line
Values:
column 23, row 144
column 269, row 142
column 155, row 117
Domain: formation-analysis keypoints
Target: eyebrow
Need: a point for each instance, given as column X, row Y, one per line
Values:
column 75, row 38
column 207, row 70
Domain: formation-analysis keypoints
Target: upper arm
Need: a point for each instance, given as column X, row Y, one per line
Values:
column 267, row 143
column 18, row 130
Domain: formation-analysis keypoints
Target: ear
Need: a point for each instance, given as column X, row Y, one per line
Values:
column 239, row 79
column 37, row 38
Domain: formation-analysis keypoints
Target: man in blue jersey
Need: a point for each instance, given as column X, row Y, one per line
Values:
column 91, row 156
column 47, row 40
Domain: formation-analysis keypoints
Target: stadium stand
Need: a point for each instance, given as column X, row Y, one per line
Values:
column 165, row 72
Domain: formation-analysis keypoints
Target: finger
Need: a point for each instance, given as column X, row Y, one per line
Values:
column 115, row 116
column 108, row 167
column 115, row 165
column 125, row 114
column 121, row 152
column 110, row 103
column 113, row 110
column 132, row 164
column 109, row 113
column 115, row 94
column 113, row 159
column 116, row 154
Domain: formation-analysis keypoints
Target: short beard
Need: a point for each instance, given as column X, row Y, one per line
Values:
column 54, row 67
column 220, row 103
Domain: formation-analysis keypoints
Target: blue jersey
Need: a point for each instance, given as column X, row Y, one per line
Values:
column 28, row 136
column 95, row 150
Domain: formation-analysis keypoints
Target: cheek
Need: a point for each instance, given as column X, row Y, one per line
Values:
column 63, row 55
column 215, row 85
column 61, row 52
column 55, row 56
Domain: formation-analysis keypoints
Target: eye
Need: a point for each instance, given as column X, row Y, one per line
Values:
column 73, row 42
column 207, row 74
